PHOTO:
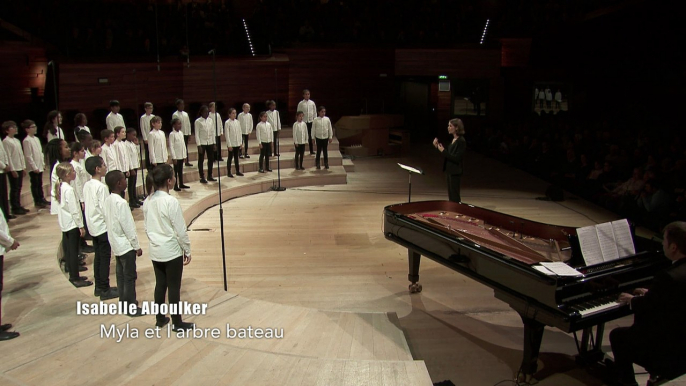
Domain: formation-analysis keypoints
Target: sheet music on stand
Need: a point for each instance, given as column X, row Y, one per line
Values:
column 606, row 242
column 410, row 169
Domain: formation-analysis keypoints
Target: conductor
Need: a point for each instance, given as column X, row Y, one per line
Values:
column 452, row 161
column 657, row 339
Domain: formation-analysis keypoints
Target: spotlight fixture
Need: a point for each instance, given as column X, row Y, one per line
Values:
column 483, row 35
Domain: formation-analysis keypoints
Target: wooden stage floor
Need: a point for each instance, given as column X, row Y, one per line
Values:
column 313, row 261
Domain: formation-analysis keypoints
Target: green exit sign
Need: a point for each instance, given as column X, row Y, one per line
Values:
column 443, row 77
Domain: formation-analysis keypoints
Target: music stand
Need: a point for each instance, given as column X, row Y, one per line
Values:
column 410, row 170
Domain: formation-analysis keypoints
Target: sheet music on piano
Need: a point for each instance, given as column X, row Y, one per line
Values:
column 606, row 242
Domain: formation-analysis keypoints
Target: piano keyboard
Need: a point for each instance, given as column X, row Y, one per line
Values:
column 596, row 306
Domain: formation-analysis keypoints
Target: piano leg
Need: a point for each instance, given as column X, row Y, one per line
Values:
column 414, row 258
column 533, row 335
column 590, row 350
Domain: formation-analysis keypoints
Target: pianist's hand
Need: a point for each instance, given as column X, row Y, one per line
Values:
column 640, row 291
column 625, row 298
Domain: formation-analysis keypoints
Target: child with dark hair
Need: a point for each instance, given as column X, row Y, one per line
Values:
column 170, row 247
column 177, row 150
column 121, row 232
column 265, row 137
column 322, row 132
column 114, row 119
column 108, row 152
column 52, row 128
column 35, row 163
column 17, row 164
column 80, row 122
column 204, row 138
column 94, row 149
column 145, row 130
column 58, row 151
column 95, row 193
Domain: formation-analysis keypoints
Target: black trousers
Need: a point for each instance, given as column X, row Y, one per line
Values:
column 233, row 153
column 245, row 144
column 15, row 189
column 70, row 248
column 202, row 150
column 168, row 279
column 101, row 262
column 4, row 200
column 218, row 152
column 126, row 277
column 37, row 187
column 309, row 135
column 133, row 177
column 322, row 146
column 185, row 140
column 626, row 352
column 454, row 187
column 2, row 273
column 148, row 164
column 299, row 155
column 178, row 172
column 265, row 151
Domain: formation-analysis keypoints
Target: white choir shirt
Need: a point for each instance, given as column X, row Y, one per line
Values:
column 264, row 132
column 165, row 227
column 122, row 153
column 33, row 153
column 88, row 155
column 60, row 134
column 109, row 154
column 309, row 108
column 81, row 178
column 121, row 230
column 15, row 155
column 274, row 119
column 54, row 180
column 78, row 129
column 157, row 146
column 94, row 194
column 321, row 128
column 177, row 147
column 233, row 133
column 219, row 128
column 558, row 96
column 300, row 133
column 185, row 121
column 113, row 120
column 548, row 95
column 4, row 161
column 133, row 152
column 246, row 123
column 145, row 126
column 204, row 132
column 69, row 209
column 6, row 239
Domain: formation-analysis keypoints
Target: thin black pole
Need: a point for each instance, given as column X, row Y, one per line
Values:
column 409, row 193
column 219, row 171
column 141, row 147
column 157, row 39
column 277, row 151
column 54, row 83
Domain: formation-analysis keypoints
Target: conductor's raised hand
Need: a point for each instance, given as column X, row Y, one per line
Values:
column 440, row 147
column 435, row 142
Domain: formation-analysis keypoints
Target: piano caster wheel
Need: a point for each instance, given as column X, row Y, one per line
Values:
column 415, row 288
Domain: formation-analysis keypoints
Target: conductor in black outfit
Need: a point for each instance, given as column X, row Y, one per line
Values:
column 657, row 339
column 452, row 162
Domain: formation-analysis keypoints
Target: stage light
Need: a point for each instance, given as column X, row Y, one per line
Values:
column 247, row 34
column 483, row 35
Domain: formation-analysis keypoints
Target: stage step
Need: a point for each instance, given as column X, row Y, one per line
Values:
column 348, row 165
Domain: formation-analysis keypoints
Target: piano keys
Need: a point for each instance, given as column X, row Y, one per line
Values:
column 499, row 250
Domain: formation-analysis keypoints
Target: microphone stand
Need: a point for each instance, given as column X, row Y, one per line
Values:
column 278, row 188
column 141, row 146
column 219, row 171
column 54, row 83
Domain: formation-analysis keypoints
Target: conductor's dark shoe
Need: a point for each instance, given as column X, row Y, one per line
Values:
column 6, row 335
column 111, row 293
column 247, row 156
column 239, row 174
column 81, row 283
column 182, row 326
column 5, row 327
column 185, row 187
column 161, row 322
column 230, row 175
column 189, row 164
column 211, row 179
column 176, row 188
column 203, row 181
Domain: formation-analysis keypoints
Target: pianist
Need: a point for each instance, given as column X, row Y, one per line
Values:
column 657, row 339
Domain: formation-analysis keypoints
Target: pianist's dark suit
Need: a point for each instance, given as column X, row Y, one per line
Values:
column 452, row 166
column 657, row 339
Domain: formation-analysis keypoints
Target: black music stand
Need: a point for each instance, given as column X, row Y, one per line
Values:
column 410, row 170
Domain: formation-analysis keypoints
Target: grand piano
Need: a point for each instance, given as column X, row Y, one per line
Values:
column 500, row 251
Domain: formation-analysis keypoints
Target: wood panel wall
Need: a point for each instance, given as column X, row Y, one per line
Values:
column 346, row 81
column 456, row 63
column 22, row 67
